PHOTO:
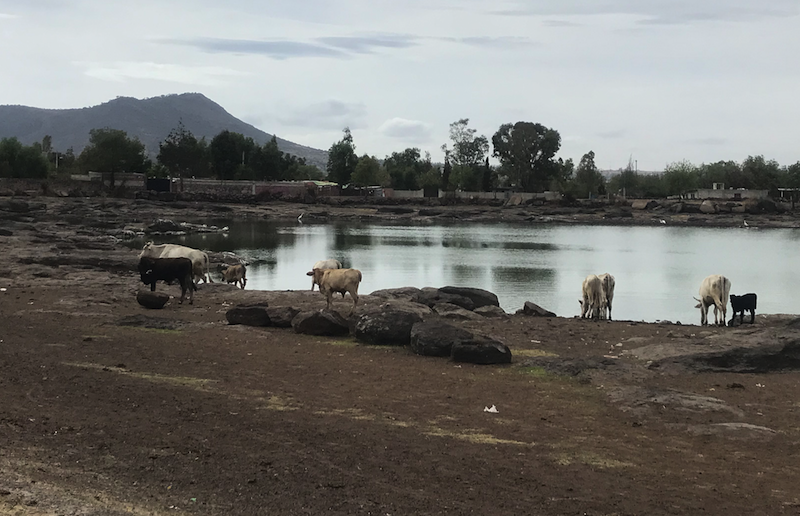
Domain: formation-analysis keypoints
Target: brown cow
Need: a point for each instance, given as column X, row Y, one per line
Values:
column 337, row 280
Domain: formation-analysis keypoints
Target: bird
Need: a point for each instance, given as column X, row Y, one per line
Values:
column 300, row 217
column 745, row 223
column 663, row 221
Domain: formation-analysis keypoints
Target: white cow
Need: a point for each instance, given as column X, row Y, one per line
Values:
column 594, row 297
column 714, row 291
column 323, row 265
column 338, row 280
column 608, row 288
column 199, row 258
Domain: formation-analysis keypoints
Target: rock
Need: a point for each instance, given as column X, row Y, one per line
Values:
column 281, row 316
column 708, row 207
column 322, row 322
column 401, row 305
column 532, row 309
column 428, row 212
column 514, row 200
column 253, row 315
column 395, row 293
column 390, row 328
column 478, row 296
column 451, row 311
column 644, row 204
column 163, row 226
column 481, row 350
column 18, row 206
column 676, row 208
column 436, row 338
column 154, row 300
column 430, row 296
column 739, row 208
column 491, row 311
column 6, row 232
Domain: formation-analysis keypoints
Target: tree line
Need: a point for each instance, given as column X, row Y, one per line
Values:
column 228, row 155
column 526, row 153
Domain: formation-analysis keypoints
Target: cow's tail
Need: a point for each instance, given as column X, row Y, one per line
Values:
column 208, row 270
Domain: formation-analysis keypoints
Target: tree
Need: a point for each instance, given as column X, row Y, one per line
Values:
column 342, row 159
column 268, row 162
column 526, row 152
column 406, row 168
column 468, row 150
column 231, row 154
column 183, row 154
column 680, row 177
column 761, row 173
column 369, row 172
column 588, row 179
column 111, row 151
column 17, row 160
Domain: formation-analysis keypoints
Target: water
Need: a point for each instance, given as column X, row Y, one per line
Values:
column 657, row 269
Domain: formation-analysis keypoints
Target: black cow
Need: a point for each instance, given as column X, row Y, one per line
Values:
column 740, row 304
column 168, row 269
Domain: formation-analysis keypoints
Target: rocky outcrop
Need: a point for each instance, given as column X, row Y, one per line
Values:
column 389, row 328
column 451, row 311
column 397, row 293
column 281, row 316
column 436, row 338
column 478, row 296
column 323, row 322
column 431, row 296
column 481, row 350
column 491, row 311
column 532, row 309
column 252, row 315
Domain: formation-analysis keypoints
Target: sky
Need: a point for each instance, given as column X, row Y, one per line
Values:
column 652, row 82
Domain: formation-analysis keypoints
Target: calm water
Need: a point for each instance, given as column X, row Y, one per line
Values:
column 657, row 269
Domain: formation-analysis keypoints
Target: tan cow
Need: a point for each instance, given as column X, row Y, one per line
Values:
column 714, row 291
column 337, row 280
column 608, row 288
column 236, row 274
column 330, row 263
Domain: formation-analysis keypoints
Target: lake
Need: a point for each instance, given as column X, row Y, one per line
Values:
column 657, row 269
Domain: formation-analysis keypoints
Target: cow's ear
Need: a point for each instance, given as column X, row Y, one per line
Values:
column 310, row 273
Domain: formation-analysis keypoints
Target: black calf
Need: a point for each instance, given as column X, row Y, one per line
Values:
column 168, row 269
column 740, row 304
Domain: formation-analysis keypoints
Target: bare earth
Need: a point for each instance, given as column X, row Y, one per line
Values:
column 108, row 408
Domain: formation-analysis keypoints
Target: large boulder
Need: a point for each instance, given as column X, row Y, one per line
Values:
column 154, row 300
column 708, row 207
column 390, row 328
column 323, row 322
column 396, row 293
column 436, row 338
column 252, row 315
column 481, row 350
column 281, row 316
column 644, row 204
column 491, row 311
column 431, row 296
column 478, row 296
column 451, row 311
column 535, row 310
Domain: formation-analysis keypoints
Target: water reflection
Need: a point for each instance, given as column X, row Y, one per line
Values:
column 658, row 270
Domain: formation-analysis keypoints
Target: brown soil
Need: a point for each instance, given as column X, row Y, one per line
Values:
column 109, row 408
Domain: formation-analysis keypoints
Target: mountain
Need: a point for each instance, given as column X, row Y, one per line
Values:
column 150, row 120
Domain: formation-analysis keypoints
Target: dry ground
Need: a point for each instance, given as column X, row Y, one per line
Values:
column 109, row 408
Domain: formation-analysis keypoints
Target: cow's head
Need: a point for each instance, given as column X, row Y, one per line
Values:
column 147, row 246
column 146, row 270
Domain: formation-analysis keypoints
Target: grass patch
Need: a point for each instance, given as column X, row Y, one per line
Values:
column 536, row 372
column 589, row 459
column 200, row 384
column 348, row 343
column 532, row 353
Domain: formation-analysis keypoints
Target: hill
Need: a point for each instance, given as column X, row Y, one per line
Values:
column 150, row 120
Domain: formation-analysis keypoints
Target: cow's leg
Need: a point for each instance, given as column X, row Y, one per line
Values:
column 354, row 295
column 752, row 315
column 703, row 314
column 153, row 286
column 609, row 310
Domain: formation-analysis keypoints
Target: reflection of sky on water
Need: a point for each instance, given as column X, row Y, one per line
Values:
column 658, row 270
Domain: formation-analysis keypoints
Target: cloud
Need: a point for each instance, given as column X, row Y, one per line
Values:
column 6, row 16
column 612, row 135
column 657, row 12
column 120, row 71
column 277, row 49
column 368, row 44
column 494, row 42
column 330, row 114
column 407, row 130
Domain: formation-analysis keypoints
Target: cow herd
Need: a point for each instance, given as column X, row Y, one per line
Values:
column 188, row 266
column 598, row 295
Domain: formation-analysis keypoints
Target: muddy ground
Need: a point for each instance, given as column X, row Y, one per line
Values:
column 109, row 408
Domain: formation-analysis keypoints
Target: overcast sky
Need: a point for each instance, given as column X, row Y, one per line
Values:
column 656, row 81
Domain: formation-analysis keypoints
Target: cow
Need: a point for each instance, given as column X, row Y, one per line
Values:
column 338, row 280
column 741, row 303
column 594, row 297
column 199, row 258
column 608, row 288
column 236, row 274
column 323, row 265
column 714, row 291
column 168, row 269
